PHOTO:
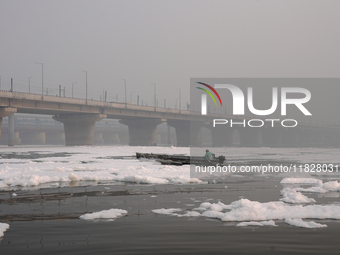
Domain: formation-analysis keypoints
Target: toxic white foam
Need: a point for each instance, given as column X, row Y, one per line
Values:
column 319, row 185
column 246, row 210
column 295, row 197
column 90, row 164
column 300, row 181
column 97, row 164
column 304, row 224
column 106, row 214
column 3, row 228
column 174, row 212
column 256, row 223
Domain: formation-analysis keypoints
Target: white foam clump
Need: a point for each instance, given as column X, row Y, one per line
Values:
column 98, row 166
column 3, row 228
column 218, row 207
column 246, row 210
column 143, row 179
column 105, row 214
column 73, row 177
column 89, row 164
column 256, row 223
column 299, row 181
column 189, row 214
column 331, row 186
column 173, row 212
column 165, row 211
column 297, row 222
column 319, row 186
column 294, row 197
column 30, row 180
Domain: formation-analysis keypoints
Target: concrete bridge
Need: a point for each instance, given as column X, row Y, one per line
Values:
column 79, row 117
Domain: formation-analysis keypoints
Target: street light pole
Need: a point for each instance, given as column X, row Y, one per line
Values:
column 29, row 84
column 72, row 88
column 125, row 91
column 155, row 98
column 86, row 85
column 180, row 100
column 42, row 79
column 131, row 96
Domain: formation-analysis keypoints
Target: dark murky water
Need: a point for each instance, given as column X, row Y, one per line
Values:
column 47, row 222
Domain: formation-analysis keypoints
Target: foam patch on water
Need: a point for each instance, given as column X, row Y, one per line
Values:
column 165, row 211
column 100, row 164
column 86, row 164
column 246, row 210
column 253, row 213
column 294, row 197
column 256, row 223
column 304, row 224
column 105, row 214
column 3, row 228
column 319, row 185
column 289, row 209
column 173, row 212
column 299, row 181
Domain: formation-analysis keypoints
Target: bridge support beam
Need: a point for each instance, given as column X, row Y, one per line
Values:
column 317, row 138
column 250, row 136
column 4, row 112
column 142, row 132
column 33, row 138
column 305, row 138
column 98, row 138
column 331, row 138
column 222, row 135
column 11, row 130
column 79, row 128
column 110, row 137
column 55, row 137
column 272, row 137
column 188, row 133
column 290, row 137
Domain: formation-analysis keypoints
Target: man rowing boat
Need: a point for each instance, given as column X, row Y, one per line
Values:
column 209, row 155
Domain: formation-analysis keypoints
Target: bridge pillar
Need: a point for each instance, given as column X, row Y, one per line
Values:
column 305, row 138
column 331, row 138
column 142, row 132
column 17, row 139
column 4, row 112
column 79, row 128
column 98, row 138
column 188, row 133
column 317, row 138
column 110, row 137
column 250, row 136
column 168, row 135
column 290, row 137
column 336, row 138
column 11, row 129
column 272, row 136
column 33, row 138
column 55, row 137
column 222, row 135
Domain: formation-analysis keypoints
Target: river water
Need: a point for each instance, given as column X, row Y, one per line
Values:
column 45, row 190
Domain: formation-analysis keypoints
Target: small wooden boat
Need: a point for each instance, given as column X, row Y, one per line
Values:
column 179, row 160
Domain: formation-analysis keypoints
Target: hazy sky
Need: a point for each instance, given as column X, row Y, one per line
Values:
column 163, row 42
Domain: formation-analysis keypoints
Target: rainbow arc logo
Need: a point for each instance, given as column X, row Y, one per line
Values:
column 209, row 93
